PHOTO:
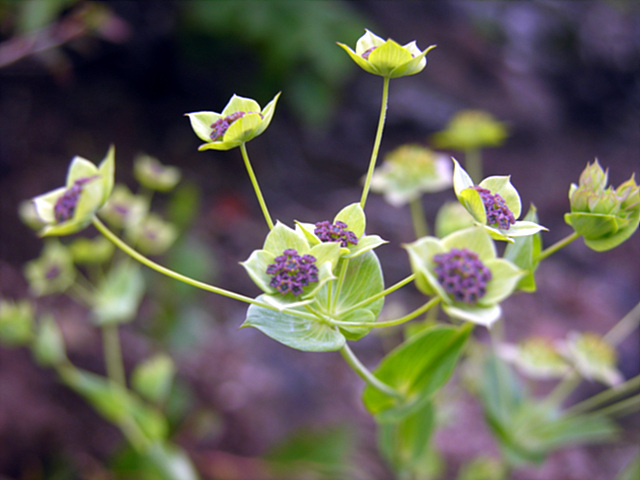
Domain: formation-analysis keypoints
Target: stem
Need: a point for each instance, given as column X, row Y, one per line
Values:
column 382, row 294
column 564, row 388
column 177, row 276
column 376, row 143
column 473, row 164
column 625, row 407
column 624, row 327
column 557, row 246
column 390, row 323
column 365, row 374
column 113, row 354
column 606, row 396
column 420, row 226
column 256, row 187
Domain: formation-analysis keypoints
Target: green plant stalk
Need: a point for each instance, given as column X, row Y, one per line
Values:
column 565, row 387
column 624, row 327
column 377, row 141
column 256, row 187
column 378, row 296
column 113, row 354
column 102, row 228
column 473, row 164
column 420, row 226
column 606, row 396
column 390, row 323
column 622, row 408
column 558, row 245
column 365, row 374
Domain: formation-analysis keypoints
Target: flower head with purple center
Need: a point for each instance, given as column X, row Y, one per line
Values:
column 292, row 272
column 335, row 232
column 498, row 213
column 462, row 275
column 220, row 126
column 66, row 205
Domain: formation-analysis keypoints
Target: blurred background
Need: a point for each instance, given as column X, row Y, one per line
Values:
column 77, row 76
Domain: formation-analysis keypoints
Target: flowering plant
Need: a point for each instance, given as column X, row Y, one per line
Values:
column 322, row 286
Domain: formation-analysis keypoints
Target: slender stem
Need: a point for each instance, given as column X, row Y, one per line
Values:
column 606, row 396
column 177, row 276
column 113, row 354
column 624, row 327
column 420, row 226
column 390, row 323
column 563, row 389
column 376, row 143
column 558, row 245
column 378, row 296
column 365, row 374
column 473, row 164
column 256, row 187
column 622, row 408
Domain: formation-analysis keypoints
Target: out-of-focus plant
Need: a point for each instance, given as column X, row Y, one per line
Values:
column 323, row 287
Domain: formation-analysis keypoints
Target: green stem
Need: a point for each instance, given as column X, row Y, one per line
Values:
column 382, row 294
column 376, row 143
column 622, row 408
column 113, row 354
column 624, row 327
column 473, row 164
column 390, row 323
column 365, row 374
column 420, row 226
column 256, row 187
column 182, row 278
column 606, row 396
column 558, row 245
column 562, row 391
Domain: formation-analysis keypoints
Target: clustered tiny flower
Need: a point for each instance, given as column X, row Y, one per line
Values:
column 292, row 272
column 335, row 232
column 498, row 213
column 220, row 126
column 462, row 275
column 65, row 206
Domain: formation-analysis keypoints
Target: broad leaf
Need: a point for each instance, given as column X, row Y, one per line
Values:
column 417, row 369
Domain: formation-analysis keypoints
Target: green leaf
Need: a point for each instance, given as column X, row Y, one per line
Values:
column 417, row 369
column 153, row 378
column 309, row 335
column 160, row 461
column 406, row 443
column 524, row 252
column 119, row 294
column 362, row 280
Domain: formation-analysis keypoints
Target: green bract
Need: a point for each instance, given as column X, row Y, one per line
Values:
column 536, row 357
column 498, row 185
column 93, row 186
column 152, row 235
column 282, row 238
column 604, row 216
column 124, row 209
column 504, row 275
column 469, row 130
column 408, row 172
column 353, row 216
column 150, row 173
column 240, row 121
column 386, row 57
column 16, row 322
column 592, row 357
column 52, row 272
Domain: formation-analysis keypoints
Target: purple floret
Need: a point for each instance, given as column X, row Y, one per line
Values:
column 498, row 214
column 462, row 275
column 335, row 232
column 291, row 272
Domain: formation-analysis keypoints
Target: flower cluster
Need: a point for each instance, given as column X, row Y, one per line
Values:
column 462, row 275
column 335, row 232
column 292, row 272
column 498, row 213
column 65, row 206
column 220, row 126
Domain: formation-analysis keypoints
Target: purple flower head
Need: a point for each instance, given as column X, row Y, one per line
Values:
column 462, row 275
column 367, row 52
column 335, row 232
column 220, row 126
column 65, row 206
column 498, row 214
column 291, row 272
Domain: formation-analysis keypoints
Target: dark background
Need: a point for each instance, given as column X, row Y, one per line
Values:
column 565, row 76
